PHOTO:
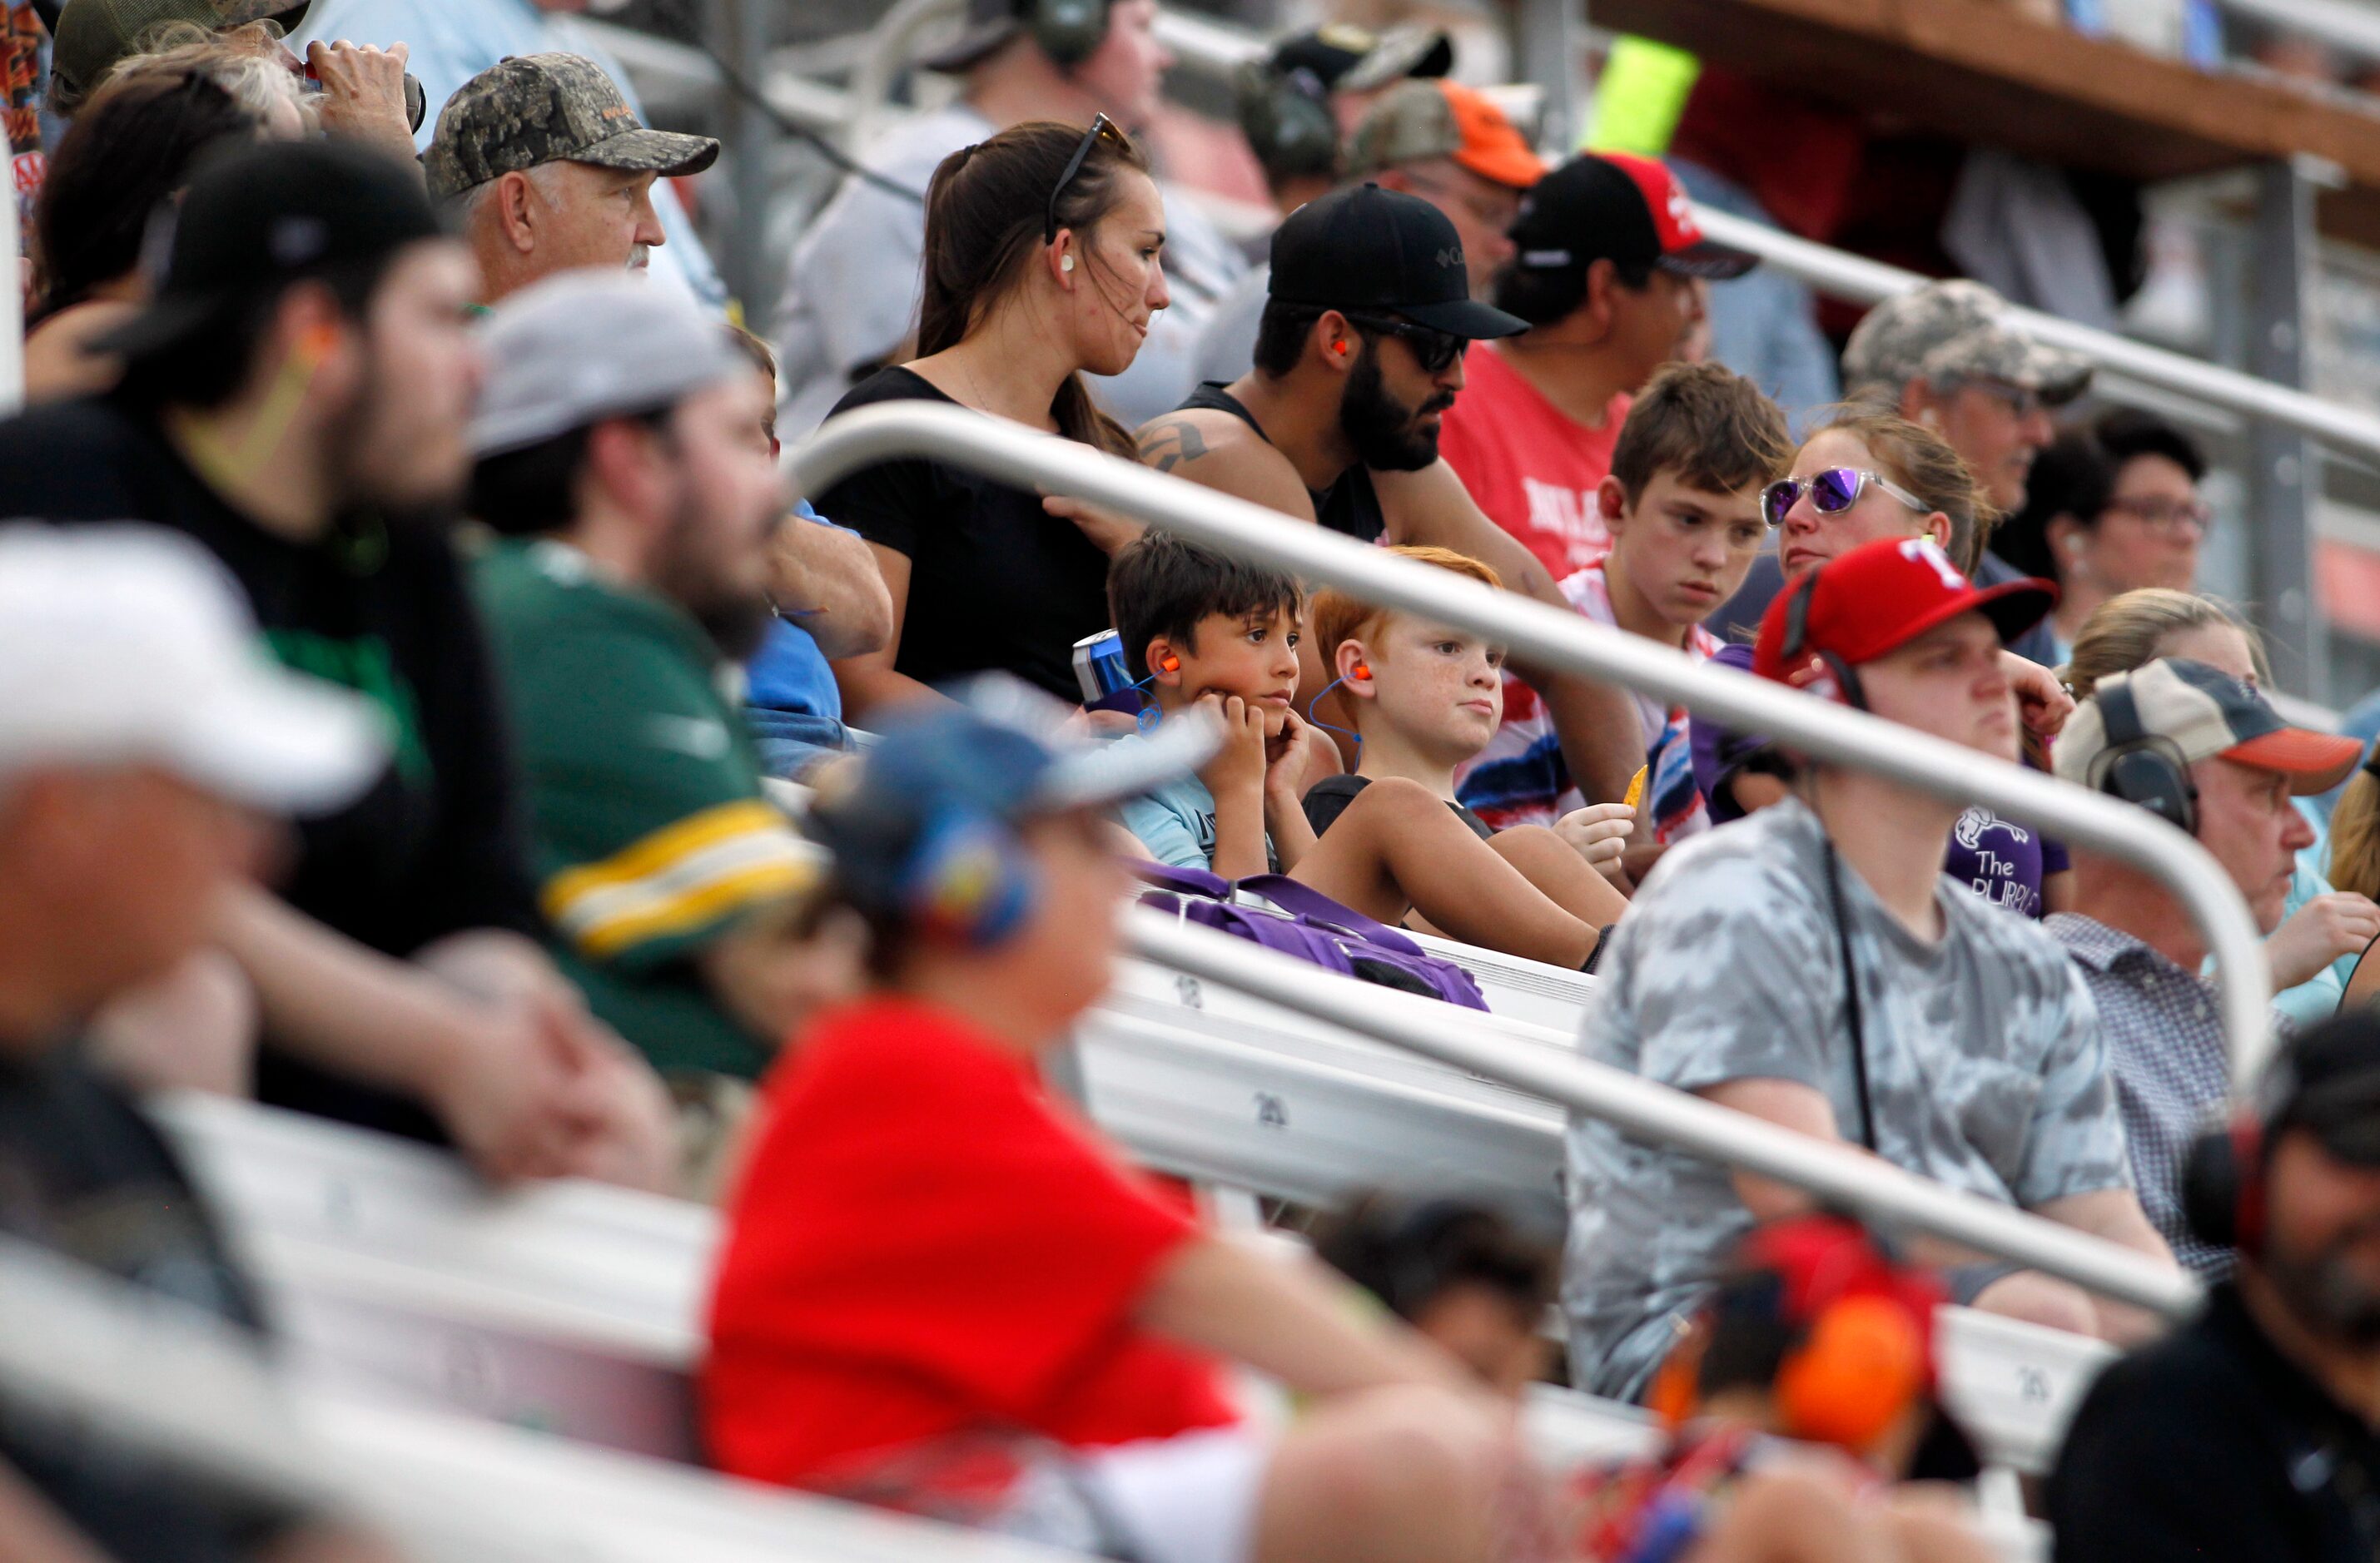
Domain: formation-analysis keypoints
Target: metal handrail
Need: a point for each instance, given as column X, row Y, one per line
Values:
column 1835, row 1172
column 1861, row 281
column 1551, row 637
column 12, row 323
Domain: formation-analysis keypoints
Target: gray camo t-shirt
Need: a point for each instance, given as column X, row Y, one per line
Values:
column 1985, row 1064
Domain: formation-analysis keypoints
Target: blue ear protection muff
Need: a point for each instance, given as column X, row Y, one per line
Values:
column 967, row 878
column 2141, row 766
column 1069, row 31
column 1797, row 636
column 956, row 873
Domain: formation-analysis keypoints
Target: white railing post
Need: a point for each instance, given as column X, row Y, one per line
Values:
column 1836, row 1173
column 1551, row 637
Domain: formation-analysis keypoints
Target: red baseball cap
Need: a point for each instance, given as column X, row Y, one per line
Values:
column 1878, row 598
column 1616, row 206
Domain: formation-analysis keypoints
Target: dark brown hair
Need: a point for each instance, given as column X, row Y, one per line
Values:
column 1160, row 584
column 1712, row 428
column 983, row 211
column 124, row 156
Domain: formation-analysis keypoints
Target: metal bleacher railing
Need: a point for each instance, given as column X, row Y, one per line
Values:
column 175, row 1390
column 413, row 1299
column 1556, row 639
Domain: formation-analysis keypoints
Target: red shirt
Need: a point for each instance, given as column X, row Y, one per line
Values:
column 1531, row 466
column 926, row 1242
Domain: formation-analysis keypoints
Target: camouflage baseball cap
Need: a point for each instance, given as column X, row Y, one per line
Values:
column 1957, row 330
column 95, row 36
column 528, row 109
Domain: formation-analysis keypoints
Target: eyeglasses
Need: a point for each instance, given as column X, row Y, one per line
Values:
column 1434, row 350
column 1100, row 126
column 2020, row 400
column 2166, row 515
column 1831, row 492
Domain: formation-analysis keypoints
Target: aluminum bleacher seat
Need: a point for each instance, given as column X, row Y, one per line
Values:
column 174, row 1387
column 577, row 1309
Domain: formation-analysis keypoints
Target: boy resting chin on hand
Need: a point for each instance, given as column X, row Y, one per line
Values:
column 1199, row 626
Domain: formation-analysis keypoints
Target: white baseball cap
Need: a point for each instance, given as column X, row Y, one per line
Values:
column 130, row 645
column 584, row 345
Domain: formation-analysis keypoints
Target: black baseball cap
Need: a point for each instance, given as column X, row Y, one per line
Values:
column 265, row 216
column 1370, row 249
column 2327, row 1082
column 1618, row 208
column 1343, row 58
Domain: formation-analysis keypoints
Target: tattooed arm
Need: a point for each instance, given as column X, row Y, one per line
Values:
column 1219, row 452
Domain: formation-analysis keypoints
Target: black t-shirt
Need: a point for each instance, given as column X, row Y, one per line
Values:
column 2211, row 1446
column 84, row 1175
column 995, row 581
column 1329, row 798
column 1351, row 505
column 436, row 846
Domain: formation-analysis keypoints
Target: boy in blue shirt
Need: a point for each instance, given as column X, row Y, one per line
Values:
column 1200, row 628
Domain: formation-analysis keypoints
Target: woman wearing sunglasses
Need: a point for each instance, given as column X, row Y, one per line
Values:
column 1041, row 265
column 1865, row 476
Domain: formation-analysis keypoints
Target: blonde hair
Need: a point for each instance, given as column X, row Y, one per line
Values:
column 1923, row 462
column 2355, row 837
column 2126, row 632
column 1338, row 618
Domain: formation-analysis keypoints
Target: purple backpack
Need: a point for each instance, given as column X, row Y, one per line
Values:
column 1310, row 927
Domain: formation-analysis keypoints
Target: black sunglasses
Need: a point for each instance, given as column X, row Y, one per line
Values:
column 1100, row 126
column 1433, row 349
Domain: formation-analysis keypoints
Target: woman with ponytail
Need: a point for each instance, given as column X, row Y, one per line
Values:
column 1042, row 264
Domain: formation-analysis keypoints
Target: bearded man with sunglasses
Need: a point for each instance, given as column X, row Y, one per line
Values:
column 1359, row 354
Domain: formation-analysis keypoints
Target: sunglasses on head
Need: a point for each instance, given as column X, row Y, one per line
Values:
column 1434, row 350
column 1831, row 492
column 1100, row 126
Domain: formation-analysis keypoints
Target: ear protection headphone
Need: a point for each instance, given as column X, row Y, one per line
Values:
column 2141, row 766
column 1853, row 1334
column 2223, row 1185
column 317, row 344
column 956, row 874
column 1360, row 674
column 2223, row 1175
column 1286, row 116
column 1846, row 684
column 1069, row 31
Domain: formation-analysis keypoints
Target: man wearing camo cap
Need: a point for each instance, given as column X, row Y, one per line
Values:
column 551, row 170
column 1951, row 356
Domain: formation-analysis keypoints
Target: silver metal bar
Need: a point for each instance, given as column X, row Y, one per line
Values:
column 1671, row 1117
column 1835, row 1172
column 2284, row 468
column 1841, row 276
column 1204, row 45
column 1549, row 636
column 1549, row 41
